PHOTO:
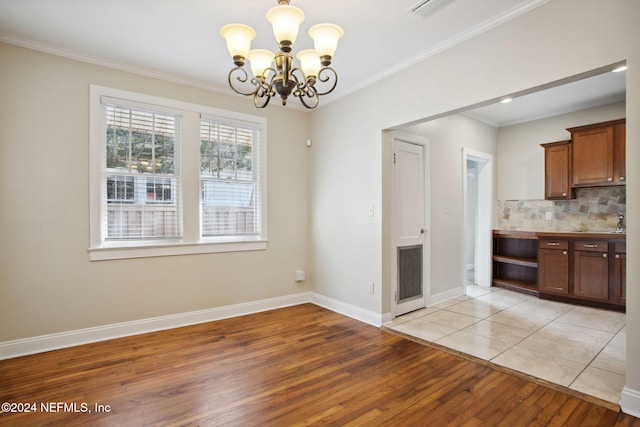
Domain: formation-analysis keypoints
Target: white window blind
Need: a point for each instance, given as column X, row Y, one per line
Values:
column 229, row 173
column 141, row 180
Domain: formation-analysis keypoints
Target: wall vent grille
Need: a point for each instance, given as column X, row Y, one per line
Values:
column 427, row 7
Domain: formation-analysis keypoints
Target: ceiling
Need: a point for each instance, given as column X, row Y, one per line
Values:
column 180, row 41
column 601, row 89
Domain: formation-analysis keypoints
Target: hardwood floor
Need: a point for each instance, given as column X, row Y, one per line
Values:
column 301, row 365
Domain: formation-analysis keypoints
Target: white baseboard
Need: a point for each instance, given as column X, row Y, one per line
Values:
column 39, row 344
column 630, row 402
column 355, row 312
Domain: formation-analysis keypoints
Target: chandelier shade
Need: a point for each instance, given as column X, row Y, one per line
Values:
column 309, row 62
column 286, row 21
column 325, row 39
column 275, row 73
column 238, row 37
column 260, row 60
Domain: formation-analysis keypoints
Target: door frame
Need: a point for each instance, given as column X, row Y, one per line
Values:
column 484, row 225
column 426, row 248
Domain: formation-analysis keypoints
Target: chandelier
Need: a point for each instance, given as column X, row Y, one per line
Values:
column 312, row 79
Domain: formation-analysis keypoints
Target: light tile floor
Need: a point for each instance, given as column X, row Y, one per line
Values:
column 577, row 347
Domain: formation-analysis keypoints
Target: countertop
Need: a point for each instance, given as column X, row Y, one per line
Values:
column 564, row 234
column 584, row 235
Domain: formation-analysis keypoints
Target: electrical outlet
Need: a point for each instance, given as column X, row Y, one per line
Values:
column 371, row 286
column 548, row 216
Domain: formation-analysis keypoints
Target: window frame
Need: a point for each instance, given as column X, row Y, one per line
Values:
column 189, row 193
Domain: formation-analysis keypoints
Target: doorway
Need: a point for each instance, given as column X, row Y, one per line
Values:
column 478, row 213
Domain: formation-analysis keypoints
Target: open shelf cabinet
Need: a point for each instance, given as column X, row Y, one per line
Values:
column 515, row 261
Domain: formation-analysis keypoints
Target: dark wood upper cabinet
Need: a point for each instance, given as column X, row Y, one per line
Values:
column 598, row 154
column 619, row 140
column 557, row 171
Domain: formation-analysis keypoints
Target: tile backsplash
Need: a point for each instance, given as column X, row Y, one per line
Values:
column 593, row 209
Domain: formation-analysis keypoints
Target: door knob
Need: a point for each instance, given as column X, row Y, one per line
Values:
column 422, row 231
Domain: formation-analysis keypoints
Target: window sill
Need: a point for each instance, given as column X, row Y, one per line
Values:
column 147, row 250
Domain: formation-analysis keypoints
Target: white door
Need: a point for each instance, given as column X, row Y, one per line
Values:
column 409, row 226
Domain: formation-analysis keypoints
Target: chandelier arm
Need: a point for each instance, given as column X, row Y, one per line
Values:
column 324, row 79
column 241, row 76
column 261, row 101
column 265, row 90
column 310, row 93
column 300, row 84
column 304, row 91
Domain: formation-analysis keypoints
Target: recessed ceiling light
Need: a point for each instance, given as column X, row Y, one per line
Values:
column 506, row 100
column 620, row 68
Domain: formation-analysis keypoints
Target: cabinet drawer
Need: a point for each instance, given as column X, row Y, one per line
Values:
column 553, row 244
column 592, row 246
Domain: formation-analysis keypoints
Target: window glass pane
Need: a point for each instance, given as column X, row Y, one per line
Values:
column 244, row 162
column 209, row 159
column 230, row 196
column 120, row 189
column 159, row 190
column 141, row 181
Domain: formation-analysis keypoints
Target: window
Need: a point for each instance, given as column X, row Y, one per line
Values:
column 168, row 177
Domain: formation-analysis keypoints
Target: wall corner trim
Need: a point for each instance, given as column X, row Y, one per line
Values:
column 387, row 318
column 630, row 401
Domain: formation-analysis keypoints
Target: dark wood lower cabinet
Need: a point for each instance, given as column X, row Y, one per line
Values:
column 553, row 268
column 591, row 275
column 582, row 268
column 618, row 290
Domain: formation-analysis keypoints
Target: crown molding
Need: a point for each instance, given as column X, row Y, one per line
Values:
column 449, row 43
column 108, row 63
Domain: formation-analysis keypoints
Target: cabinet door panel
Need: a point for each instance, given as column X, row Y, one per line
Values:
column 557, row 172
column 623, row 278
column 553, row 271
column 619, row 138
column 619, row 285
column 591, row 275
column 593, row 156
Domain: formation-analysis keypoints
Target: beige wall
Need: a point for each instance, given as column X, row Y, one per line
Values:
column 47, row 283
column 448, row 136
